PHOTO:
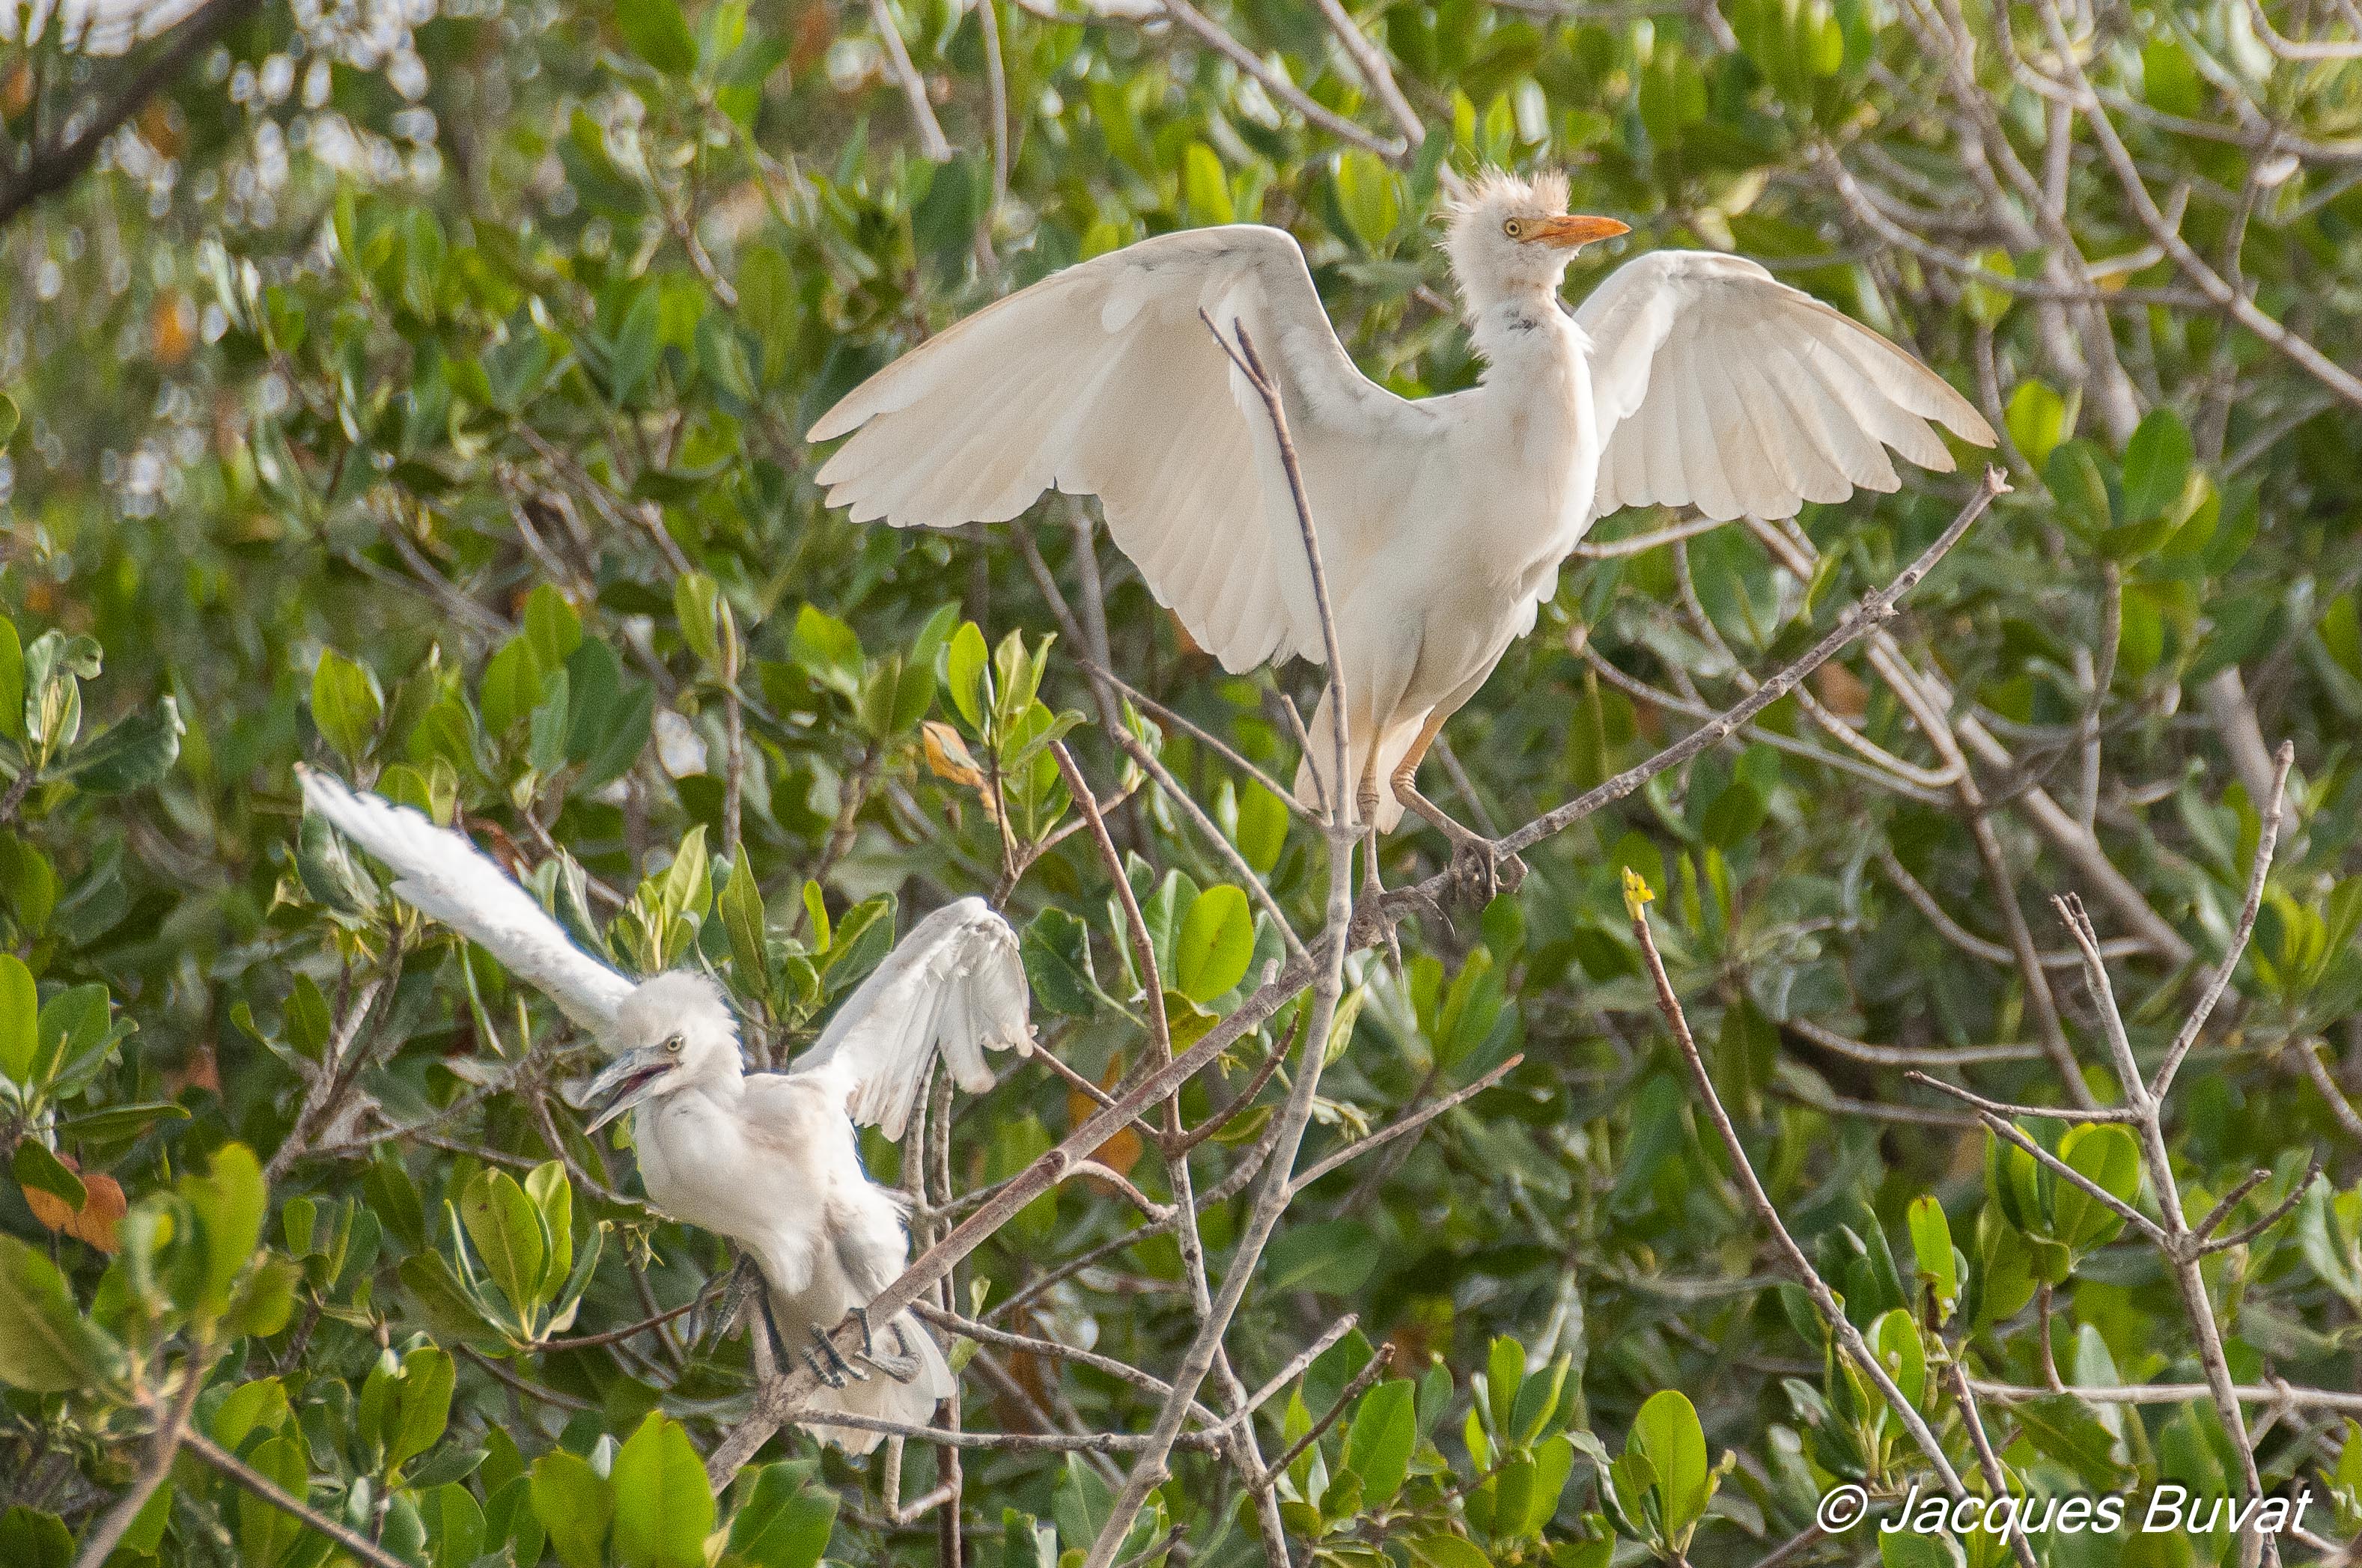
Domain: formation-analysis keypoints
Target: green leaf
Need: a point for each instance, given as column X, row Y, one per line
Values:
column 1914, row 1548
column 1204, row 188
column 698, row 609
column 551, row 626
column 2066, row 1430
column 133, row 755
column 346, row 704
column 2108, row 1154
column 510, row 688
column 786, row 1519
column 20, row 1011
column 38, row 1170
column 1444, row 1551
column 827, row 649
column 455, row 1525
column 1667, row 1431
column 1262, row 831
column 2156, row 464
column 505, row 1229
column 553, row 1196
column 31, row 1539
column 655, row 32
column 1215, row 943
column 1379, row 1442
column 260, row 1405
column 745, row 922
column 2037, row 418
column 1895, row 1338
column 1931, row 1245
column 1504, row 1372
column 264, row 1530
column 2076, row 477
column 664, row 1508
column 1057, row 950
column 46, row 1344
column 428, row 1375
column 574, row 1505
column 639, row 341
column 12, row 681
column 964, row 662
column 230, row 1202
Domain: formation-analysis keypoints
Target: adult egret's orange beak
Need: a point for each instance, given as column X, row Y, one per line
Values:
column 1569, row 232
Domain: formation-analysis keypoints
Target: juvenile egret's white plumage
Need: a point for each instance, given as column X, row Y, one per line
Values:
column 770, row 1159
column 1687, row 377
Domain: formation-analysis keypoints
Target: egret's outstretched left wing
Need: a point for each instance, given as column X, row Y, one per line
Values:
column 954, row 985
column 1720, row 387
column 446, row 878
column 1105, row 379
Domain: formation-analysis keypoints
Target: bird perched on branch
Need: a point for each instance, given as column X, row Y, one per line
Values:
column 1687, row 378
column 768, row 1159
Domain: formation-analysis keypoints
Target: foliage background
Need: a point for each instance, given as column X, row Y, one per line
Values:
column 419, row 392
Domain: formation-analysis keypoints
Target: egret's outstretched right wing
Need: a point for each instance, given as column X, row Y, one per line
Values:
column 954, row 985
column 1720, row 387
column 447, row 878
column 1105, row 379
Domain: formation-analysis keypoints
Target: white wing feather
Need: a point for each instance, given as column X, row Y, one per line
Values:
column 1721, row 387
column 1102, row 379
column 445, row 877
column 955, row 987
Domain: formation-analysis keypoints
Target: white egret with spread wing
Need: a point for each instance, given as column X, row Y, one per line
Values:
column 1687, row 378
column 770, row 1159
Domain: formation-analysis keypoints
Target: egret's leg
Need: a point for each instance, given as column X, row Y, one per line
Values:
column 780, row 1356
column 899, row 1364
column 1477, row 864
column 1370, row 920
column 1365, row 803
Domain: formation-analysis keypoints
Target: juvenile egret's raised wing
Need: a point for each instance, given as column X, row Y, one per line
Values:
column 1721, row 387
column 445, row 877
column 1102, row 379
column 954, row 985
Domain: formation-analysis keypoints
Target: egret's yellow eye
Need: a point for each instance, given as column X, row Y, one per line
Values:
column 673, row 1045
column 1513, row 228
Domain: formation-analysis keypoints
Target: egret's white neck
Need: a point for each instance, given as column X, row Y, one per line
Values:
column 1521, row 334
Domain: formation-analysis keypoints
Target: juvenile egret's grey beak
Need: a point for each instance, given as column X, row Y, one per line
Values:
column 631, row 1078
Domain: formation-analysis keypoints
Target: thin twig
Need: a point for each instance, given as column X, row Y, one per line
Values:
column 2266, row 843
column 264, row 1487
column 1758, row 1202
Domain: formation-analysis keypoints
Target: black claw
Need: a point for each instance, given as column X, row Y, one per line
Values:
column 842, row 1367
column 897, row 1364
column 827, row 1375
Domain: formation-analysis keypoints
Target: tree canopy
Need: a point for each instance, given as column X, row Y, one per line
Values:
column 418, row 392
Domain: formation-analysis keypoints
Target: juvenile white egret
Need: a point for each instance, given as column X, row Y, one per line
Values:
column 1687, row 378
column 768, row 1159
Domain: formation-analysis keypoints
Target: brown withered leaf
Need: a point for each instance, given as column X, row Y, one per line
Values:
column 102, row 1208
column 1841, row 692
column 948, row 756
column 1120, row 1151
column 199, row 1069
column 949, row 759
